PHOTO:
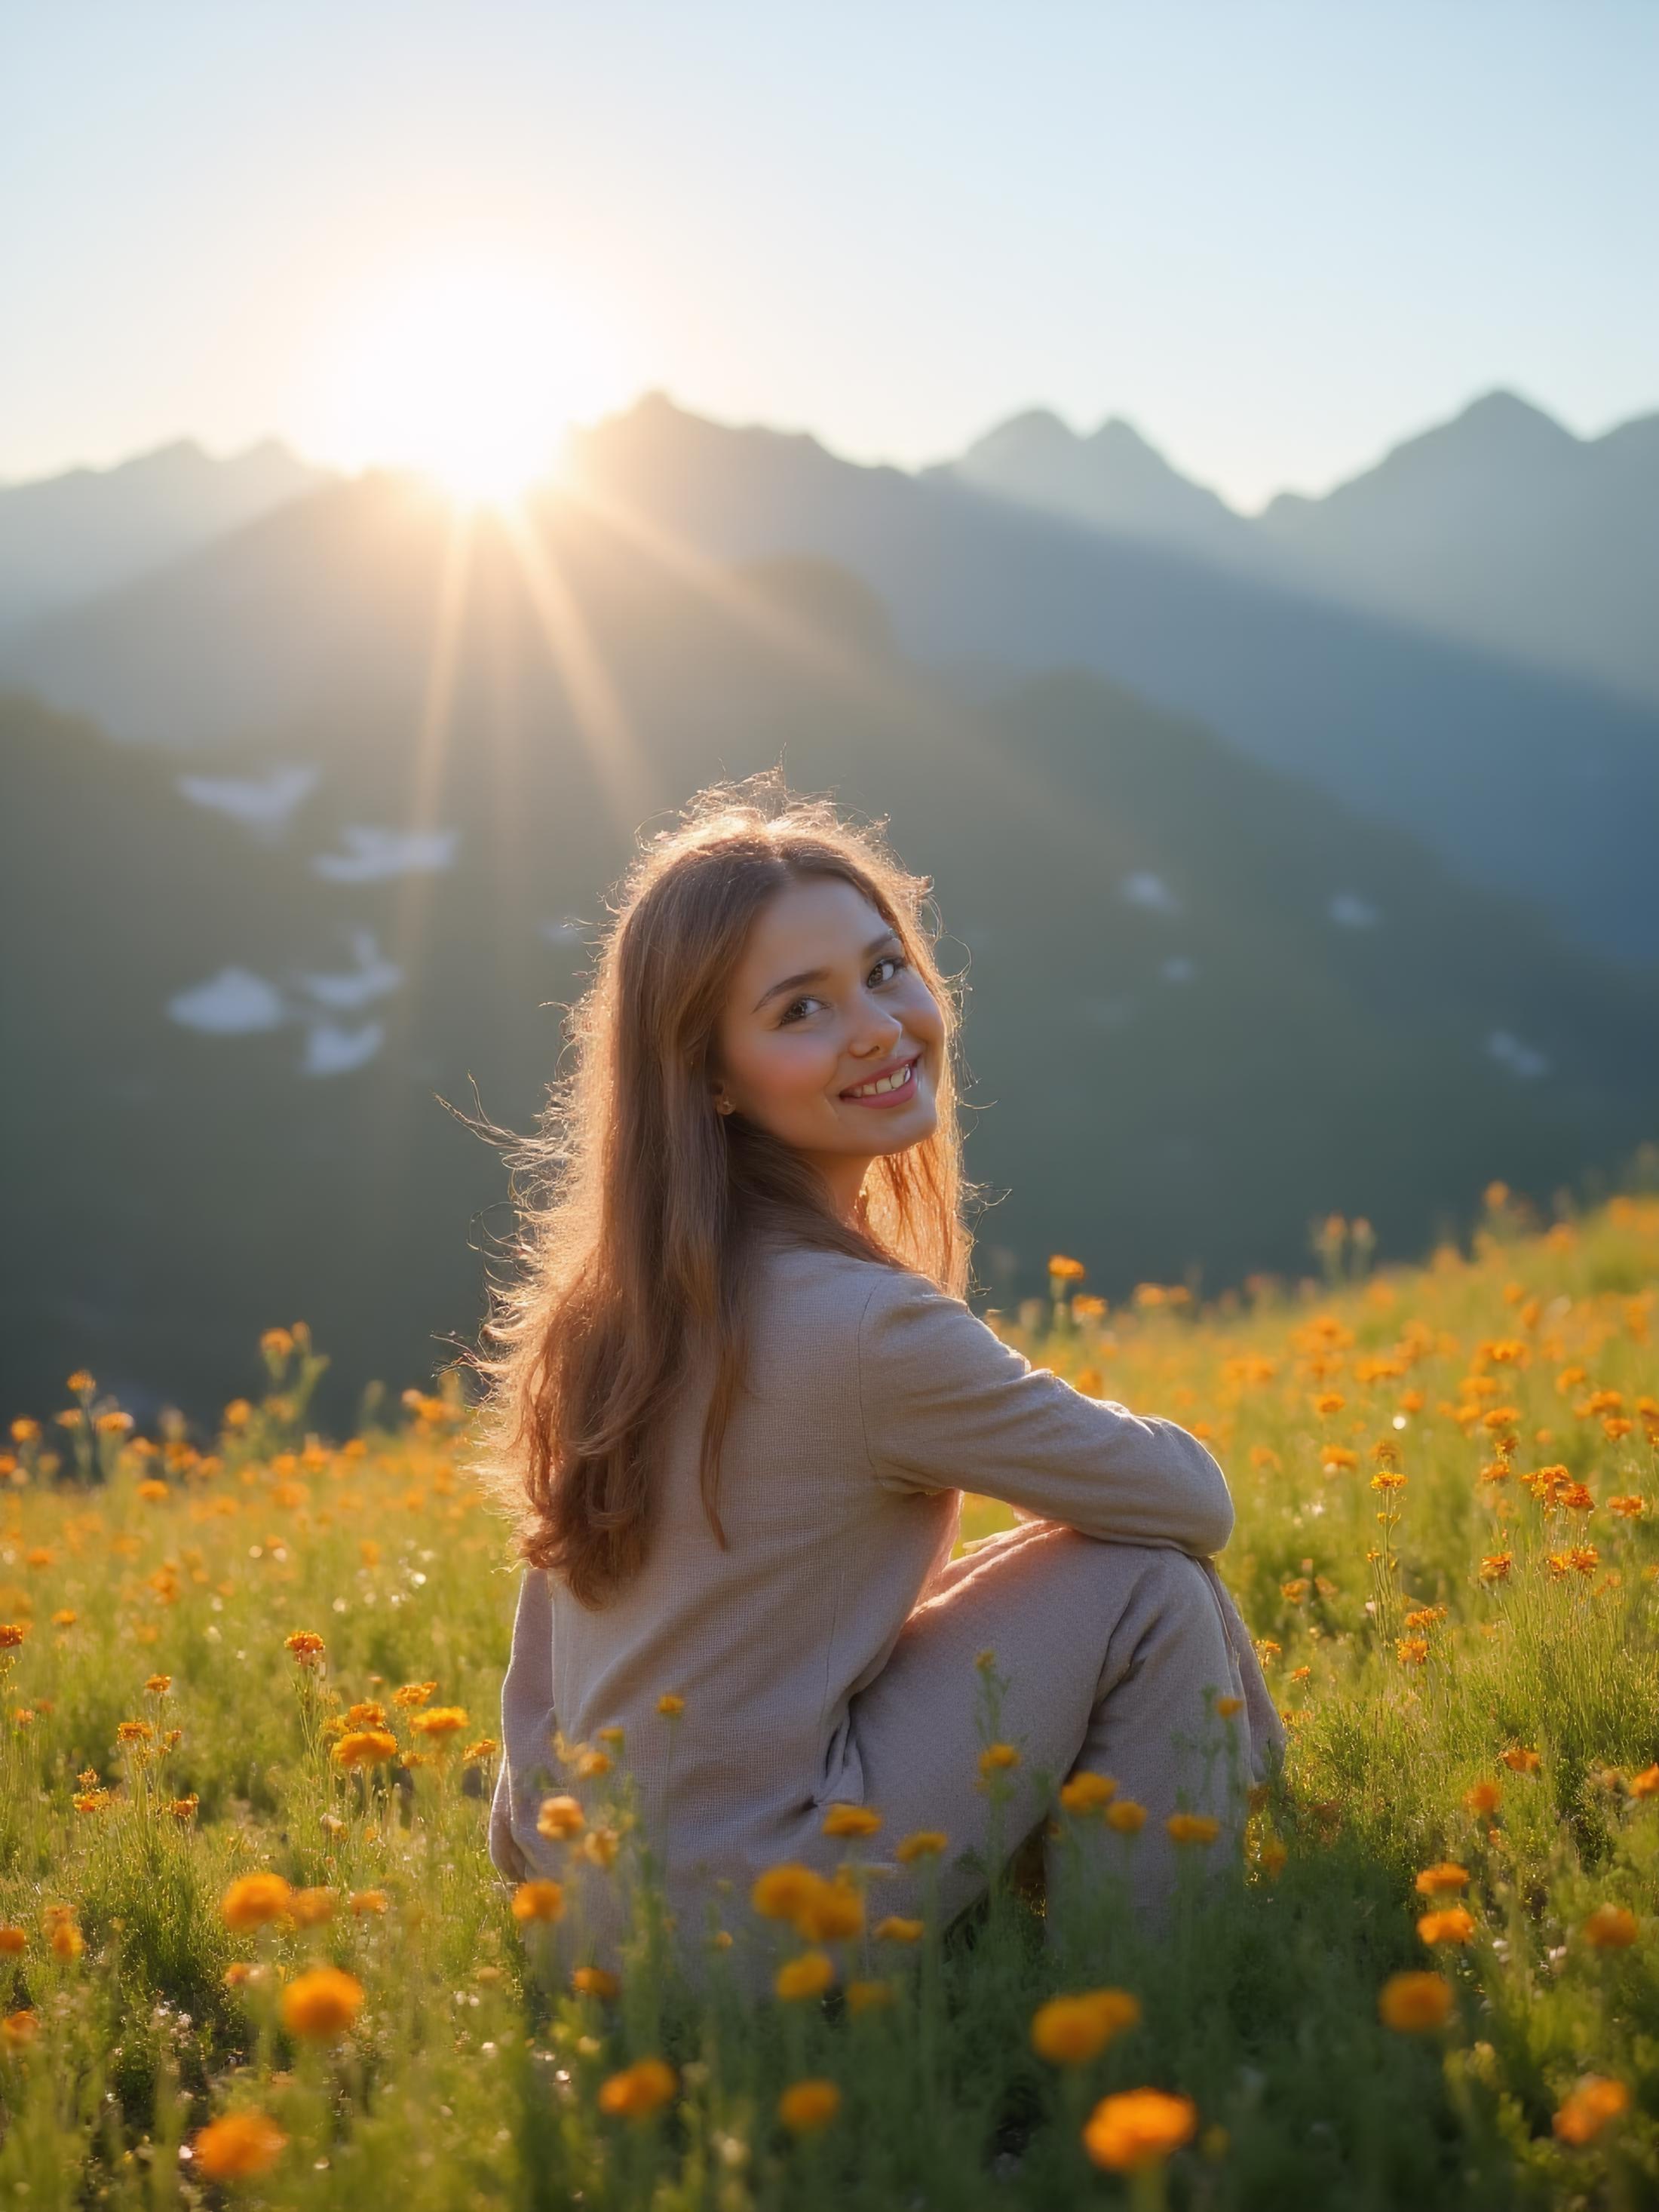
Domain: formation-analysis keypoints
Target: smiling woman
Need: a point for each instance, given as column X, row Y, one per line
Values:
column 467, row 364
column 738, row 1398
column 845, row 1069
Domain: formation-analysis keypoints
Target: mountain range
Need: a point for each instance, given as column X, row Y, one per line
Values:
column 68, row 537
column 1499, row 527
column 308, row 828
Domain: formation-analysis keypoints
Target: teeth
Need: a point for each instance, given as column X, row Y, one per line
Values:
column 895, row 1082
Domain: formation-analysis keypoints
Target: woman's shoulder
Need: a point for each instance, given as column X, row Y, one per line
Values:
column 835, row 1284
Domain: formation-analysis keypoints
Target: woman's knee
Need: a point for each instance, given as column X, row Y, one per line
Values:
column 1161, row 1579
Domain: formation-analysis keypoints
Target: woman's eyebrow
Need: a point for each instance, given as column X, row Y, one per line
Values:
column 817, row 975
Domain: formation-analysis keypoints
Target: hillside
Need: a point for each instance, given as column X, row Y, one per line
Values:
column 280, row 955
column 253, row 1674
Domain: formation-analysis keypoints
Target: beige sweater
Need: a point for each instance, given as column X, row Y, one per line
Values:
column 874, row 1400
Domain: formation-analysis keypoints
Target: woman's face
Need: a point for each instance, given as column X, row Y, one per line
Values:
column 823, row 1001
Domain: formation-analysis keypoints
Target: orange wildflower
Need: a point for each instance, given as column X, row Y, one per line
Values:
column 851, row 1821
column 1413, row 2003
column 1070, row 2031
column 441, row 1723
column 809, row 1975
column 1087, row 1792
column 253, row 1899
column 863, row 1996
column 237, row 2147
column 809, row 2105
column 1454, row 1925
column 1193, row 1828
column 1583, row 2115
column 321, row 2004
column 538, row 1901
column 1610, row 1928
column 1436, row 1880
column 560, row 1819
column 1138, row 2128
column 638, row 2091
column 366, row 1747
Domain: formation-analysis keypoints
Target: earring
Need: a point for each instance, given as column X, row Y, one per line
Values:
column 725, row 1105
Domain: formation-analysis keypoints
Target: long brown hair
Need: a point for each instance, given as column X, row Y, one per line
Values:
column 643, row 1199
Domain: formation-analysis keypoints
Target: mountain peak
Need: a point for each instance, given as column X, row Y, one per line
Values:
column 1113, row 479
column 1033, row 430
column 1506, row 423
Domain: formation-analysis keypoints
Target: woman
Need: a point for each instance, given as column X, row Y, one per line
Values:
column 736, row 1399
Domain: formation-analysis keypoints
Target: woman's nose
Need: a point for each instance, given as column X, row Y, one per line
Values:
column 877, row 1034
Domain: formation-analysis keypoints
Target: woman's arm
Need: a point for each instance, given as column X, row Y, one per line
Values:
column 948, row 1406
column 527, row 1722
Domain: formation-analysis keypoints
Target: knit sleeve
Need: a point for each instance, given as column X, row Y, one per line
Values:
column 947, row 1404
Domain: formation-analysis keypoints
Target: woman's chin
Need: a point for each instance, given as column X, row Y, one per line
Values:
column 912, row 1126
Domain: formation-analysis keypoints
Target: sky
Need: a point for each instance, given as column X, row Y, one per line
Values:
column 1275, row 235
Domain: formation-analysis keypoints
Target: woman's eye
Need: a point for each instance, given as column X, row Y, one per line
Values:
column 894, row 960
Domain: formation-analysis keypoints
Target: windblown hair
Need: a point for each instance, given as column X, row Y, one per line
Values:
column 642, row 1198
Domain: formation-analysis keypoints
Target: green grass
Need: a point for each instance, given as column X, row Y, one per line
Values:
column 464, row 2080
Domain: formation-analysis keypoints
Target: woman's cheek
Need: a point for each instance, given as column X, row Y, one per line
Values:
column 806, row 1069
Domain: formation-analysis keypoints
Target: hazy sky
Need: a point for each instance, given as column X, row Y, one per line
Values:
column 1275, row 234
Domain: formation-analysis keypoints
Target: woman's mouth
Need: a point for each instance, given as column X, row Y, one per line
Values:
column 894, row 1090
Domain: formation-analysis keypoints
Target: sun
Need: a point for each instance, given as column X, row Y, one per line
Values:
column 468, row 366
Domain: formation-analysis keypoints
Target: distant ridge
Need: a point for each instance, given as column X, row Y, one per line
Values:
column 68, row 537
column 1113, row 478
column 1500, row 526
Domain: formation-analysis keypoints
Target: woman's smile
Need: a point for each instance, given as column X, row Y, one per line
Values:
column 895, row 1086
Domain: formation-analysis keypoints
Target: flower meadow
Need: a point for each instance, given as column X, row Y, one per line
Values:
column 253, row 1949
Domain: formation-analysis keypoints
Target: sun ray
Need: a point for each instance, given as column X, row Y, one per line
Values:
column 631, row 787
column 1067, row 819
column 436, row 727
